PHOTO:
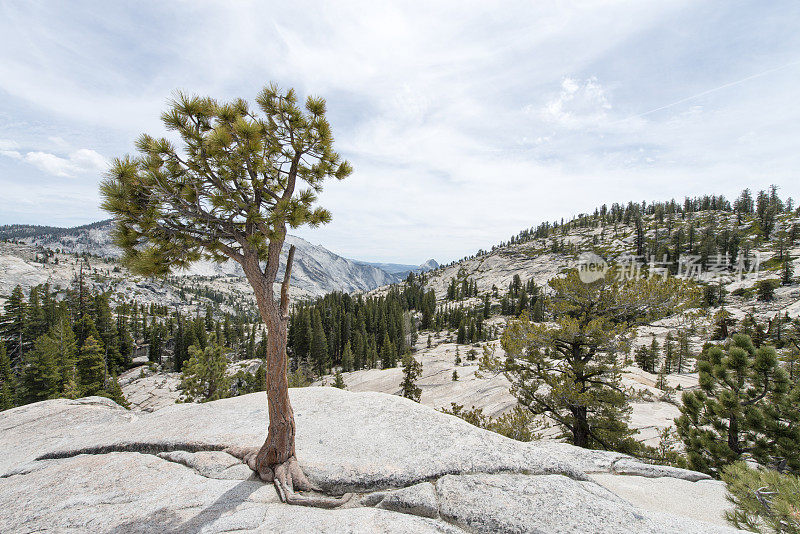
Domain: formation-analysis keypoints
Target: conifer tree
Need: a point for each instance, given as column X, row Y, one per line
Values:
column 669, row 354
column 388, row 354
column 338, row 380
column 228, row 193
column 764, row 500
column 412, row 370
column 754, row 330
column 40, row 376
column 787, row 271
column 91, row 368
column 347, row 358
column 461, row 337
column 654, row 354
column 6, row 380
column 84, row 329
column 766, row 289
column 723, row 320
column 251, row 344
column 261, row 352
column 113, row 391
column 70, row 388
column 570, row 370
column 181, row 351
column 13, row 326
column 204, row 376
column 372, row 354
column 729, row 416
column 155, row 351
column 35, row 323
column 125, row 347
column 319, row 346
column 64, row 337
column 644, row 359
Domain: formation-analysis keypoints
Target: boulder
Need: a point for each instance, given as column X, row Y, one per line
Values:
column 87, row 464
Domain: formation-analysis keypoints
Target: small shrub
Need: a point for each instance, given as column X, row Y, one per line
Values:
column 764, row 499
column 518, row 424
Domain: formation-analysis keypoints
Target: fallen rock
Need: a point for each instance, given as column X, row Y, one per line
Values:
column 631, row 466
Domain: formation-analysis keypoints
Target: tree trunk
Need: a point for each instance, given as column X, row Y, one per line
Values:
column 279, row 445
column 275, row 461
column 580, row 427
column 733, row 435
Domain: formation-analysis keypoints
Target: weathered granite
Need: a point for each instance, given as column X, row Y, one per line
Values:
column 419, row 499
column 88, row 465
column 630, row 466
column 549, row 503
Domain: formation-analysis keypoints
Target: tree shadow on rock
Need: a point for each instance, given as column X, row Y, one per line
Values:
column 167, row 521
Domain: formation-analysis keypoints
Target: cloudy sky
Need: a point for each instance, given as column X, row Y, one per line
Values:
column 465, row 121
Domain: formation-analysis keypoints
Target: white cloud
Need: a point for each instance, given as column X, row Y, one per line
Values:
column 59, row 142
column 81, row 161
column 580, row 104
column 425, row 99
column 8, row 149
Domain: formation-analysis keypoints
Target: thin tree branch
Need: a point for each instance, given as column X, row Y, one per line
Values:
column 285, row 284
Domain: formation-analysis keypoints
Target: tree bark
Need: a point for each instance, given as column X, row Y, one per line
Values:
column 275, row 461
column 279, row 446
column 580, row 428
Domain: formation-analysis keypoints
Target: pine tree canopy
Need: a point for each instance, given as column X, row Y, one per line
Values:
column 230, row 184
column 745, row 405
column 568, row 369
column 91, row 367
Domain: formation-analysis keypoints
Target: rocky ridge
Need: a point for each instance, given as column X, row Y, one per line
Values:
column 87, row 464
column 316, row 270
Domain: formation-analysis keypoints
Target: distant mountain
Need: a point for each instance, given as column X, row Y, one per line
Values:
column 316, row 269
column 401, row 270
column 429, row 265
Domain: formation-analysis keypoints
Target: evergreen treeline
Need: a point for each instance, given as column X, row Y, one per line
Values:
column 339, row 330
column 72, row 343
column 69, row 347
column 763, row 208
column 468, row 323
column 527, row 298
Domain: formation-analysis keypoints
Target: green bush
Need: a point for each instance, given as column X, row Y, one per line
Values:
column 517, row 424
column 764, row 499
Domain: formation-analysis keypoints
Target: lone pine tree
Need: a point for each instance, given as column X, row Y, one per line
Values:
column 228, row 192
column 204, row 377
column 569, row 368
column 744, row 406
column 412, row 370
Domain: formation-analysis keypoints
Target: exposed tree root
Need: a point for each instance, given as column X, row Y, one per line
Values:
column 288, row 479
